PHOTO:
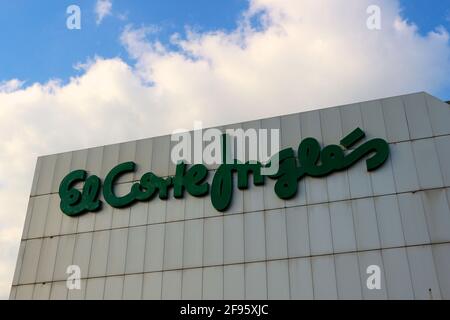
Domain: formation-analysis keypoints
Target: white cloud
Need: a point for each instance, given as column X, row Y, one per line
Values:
column 304, row 55
column 10, row 85
column 103, row 8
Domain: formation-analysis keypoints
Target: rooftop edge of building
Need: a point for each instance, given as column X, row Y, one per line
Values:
column 308, row 109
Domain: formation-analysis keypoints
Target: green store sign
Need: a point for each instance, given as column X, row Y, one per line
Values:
column 310, row 160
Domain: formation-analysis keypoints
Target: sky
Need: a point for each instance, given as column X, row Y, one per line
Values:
column 29, row 26
column 140, row 68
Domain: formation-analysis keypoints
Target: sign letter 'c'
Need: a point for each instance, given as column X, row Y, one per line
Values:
column 108, row 187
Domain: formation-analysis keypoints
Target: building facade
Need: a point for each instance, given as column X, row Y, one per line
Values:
column 326, row 242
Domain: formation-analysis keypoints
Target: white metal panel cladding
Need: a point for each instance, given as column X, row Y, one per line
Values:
column 315, row 246
column 113, row 288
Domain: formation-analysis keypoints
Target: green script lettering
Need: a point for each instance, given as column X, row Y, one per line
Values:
column 310, row 160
